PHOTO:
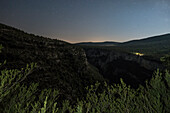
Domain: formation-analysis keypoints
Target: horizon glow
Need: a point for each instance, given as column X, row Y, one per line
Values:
column 88, row 20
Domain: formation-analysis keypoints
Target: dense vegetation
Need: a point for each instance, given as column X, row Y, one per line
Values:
column 61, row 80
column 15, row 97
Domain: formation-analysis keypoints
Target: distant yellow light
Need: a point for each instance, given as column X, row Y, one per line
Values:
column 139, row 54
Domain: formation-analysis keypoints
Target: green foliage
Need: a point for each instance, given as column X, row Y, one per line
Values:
column 10, row 79
column 20, row 100
column 46, row 102
column 66, row 107
column 166, row 61
column 79, row 109
column 16, row 97
column 122, row 99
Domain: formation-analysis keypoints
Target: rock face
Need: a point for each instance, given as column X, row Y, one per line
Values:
column 60, row 65
column 114, row 65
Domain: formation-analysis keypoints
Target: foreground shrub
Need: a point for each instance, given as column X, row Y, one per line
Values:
column 123, row 99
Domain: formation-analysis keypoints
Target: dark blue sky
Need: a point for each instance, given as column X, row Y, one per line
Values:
column 88, row 20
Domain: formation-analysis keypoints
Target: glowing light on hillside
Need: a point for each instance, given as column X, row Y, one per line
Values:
column 139, row 54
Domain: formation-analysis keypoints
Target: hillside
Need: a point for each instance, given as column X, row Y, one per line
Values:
column 161, row 39
column 154, row 47
column 60, row 65
column 157, row 46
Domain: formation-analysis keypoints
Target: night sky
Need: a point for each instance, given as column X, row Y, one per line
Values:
column 88, row 20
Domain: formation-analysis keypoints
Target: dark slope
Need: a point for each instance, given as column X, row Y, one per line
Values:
column 161, row 39
column 156, row 46
column 60, row 64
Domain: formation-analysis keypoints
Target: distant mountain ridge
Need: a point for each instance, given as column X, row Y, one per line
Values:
column 106, row 43
column 155, row 46
column 153, row 39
